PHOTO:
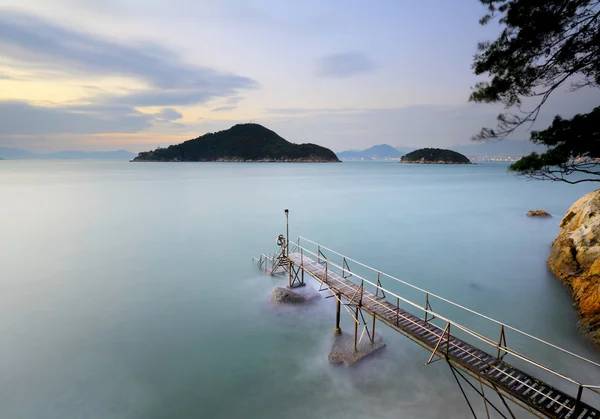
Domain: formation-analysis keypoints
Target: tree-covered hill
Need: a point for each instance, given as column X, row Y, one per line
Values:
column 435, row 155
column 242, row 142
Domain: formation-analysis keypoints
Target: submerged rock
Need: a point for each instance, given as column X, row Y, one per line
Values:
column 575, row 259
column 286, row 296
column 342, row 350
column 538, row 213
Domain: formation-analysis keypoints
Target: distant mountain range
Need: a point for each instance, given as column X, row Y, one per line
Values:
column 7, row 153
column 504, row 148
column 377, row 152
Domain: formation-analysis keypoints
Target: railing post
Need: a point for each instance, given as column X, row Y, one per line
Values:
column 426, row 306
column 500, row 340
column 448, row 342
column 362, row 288
column 397, row 311
column 577, row 407
column 318, row 253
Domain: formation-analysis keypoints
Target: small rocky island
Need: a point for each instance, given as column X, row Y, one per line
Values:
column 434, row 156
column 240, row 143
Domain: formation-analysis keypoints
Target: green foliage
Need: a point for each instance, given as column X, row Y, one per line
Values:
column 544, row 44
column 574, row 148
column 435, row 155
column 244, row 142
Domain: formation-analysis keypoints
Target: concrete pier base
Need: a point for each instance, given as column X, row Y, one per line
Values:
column 342, row 351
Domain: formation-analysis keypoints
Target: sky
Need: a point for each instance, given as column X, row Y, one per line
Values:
column 137, row 74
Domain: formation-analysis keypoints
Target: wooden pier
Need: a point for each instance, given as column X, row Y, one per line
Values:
column 477, row 368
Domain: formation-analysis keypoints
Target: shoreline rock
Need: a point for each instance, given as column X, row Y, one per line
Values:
column 575, row 260
column 538, row 213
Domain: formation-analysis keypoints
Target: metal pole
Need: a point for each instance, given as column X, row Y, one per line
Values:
column 338, row 330
column 578, row 402
column 500, row 340
column 356, row 331
column 373, row 330
column 462, row 391
column 287, row 233
column 426, row 305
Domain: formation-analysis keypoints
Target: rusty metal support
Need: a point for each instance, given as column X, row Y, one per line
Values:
column 461, row 390
column 446, row 329
column 479, row 392
column 577, row 407
column 356, row 331
column 338, row 306
column 345, row 268
column 373, row 329
column 448, row 342
column 503, row 401
column 485, row 403
column 502, row 338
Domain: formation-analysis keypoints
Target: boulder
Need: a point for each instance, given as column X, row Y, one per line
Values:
column 575, row 259
column 286, row 296
column 538, row 213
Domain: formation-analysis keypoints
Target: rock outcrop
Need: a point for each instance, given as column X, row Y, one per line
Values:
column 286, row 296
column 538, row 213
column 575, row 259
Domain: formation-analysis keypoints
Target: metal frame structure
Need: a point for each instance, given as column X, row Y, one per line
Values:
column 370, row 297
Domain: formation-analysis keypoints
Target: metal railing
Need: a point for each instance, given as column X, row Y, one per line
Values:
column 427, row 311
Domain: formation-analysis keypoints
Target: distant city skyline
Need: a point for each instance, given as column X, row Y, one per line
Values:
column 87, row 75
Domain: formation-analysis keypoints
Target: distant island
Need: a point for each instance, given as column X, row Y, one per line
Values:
column 435, row 156
column 240, row 143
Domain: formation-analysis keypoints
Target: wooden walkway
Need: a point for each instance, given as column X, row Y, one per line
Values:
column 543, row 398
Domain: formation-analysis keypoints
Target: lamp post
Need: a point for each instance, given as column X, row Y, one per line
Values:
column 287, row 233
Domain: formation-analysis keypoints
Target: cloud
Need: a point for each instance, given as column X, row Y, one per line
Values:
column 224, row 108
column 22, row 118
column 344, row 65
column 28, row 39
column 169, row 114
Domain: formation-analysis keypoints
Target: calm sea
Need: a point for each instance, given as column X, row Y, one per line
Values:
column 128, row 290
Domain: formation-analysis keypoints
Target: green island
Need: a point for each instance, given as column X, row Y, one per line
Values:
column 434, row 156
column 240, row 143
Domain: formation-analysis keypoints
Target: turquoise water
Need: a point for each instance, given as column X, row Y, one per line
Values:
column 128, row 290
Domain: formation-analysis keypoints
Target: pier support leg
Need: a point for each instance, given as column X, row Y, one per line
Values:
column 356, row 331
column 338, row 307
column 290, row 274
column 373, row 330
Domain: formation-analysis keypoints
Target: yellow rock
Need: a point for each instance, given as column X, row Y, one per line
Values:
column 575, row 259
